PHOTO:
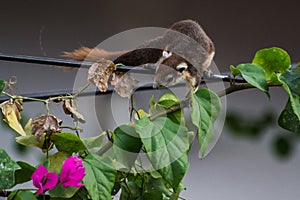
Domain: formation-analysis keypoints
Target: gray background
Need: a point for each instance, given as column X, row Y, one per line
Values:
column 236, row 168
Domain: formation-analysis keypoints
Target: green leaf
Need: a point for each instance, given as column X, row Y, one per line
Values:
column 81, row 194
column 30, row 140
column 11, row 115
column 100, row 177
column 164, row 103
column 166, row 145
column 118, row 181
column 56, row 160
column 151, row 101
column 7, row 170
column 24, row 174
column 294, row 98
column 255, row 76
column 283, row 146
column 60, row 192
column 292, row 79
column 28, row 127
column 94, row 144
column 234, row 70
column 206, row 107
column 21, row 195
column 140, row 113
column 144, row 186
column 2, row 86
column 288, row 119
column 130, row 190
column 68, row 142
column 272, row 60
column 127, row 145
column 168, row 97
column 153, row 195
column 156, row 185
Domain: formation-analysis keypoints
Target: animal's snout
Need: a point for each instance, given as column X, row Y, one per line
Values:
column 156, row 85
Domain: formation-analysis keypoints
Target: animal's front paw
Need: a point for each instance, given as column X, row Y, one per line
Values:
column 207, row 73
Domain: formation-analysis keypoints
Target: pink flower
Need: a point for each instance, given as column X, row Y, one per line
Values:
column 43, row 179
column 72, row 172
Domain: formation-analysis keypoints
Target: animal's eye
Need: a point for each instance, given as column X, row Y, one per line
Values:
column 169, row 78
column 181, row 67
column 166, row 54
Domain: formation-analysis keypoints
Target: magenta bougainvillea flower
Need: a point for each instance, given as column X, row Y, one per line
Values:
column 72, row 172
column 43, row 179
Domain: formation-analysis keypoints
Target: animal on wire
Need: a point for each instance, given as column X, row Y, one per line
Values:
column 183, row 52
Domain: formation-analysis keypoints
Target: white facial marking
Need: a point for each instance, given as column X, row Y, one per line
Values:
column 182, row 66
column 166, row 54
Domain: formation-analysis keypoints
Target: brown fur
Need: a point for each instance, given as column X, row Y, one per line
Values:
column 92, row 55
column 198, row 59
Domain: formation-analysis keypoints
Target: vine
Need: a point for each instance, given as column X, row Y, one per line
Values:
column 112, row 162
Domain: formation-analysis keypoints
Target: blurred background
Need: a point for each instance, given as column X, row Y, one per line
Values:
column 261, row 164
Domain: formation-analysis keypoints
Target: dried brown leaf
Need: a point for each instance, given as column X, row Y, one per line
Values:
column 70, row 108
column 116, row 77
column 48, row 124
column 124, row 84
column 100, row 72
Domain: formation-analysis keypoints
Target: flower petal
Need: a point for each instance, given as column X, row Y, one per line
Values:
column 38, row 176
column 40, row 191
column 51, row 181
column 72, row 172
column 67, row 164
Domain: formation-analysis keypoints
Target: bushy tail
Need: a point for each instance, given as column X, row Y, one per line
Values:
column 92, row 55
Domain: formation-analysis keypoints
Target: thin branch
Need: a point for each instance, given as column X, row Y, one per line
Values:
column 235, row 88
column 173, row 108
column 24, row 98
column 185, row 103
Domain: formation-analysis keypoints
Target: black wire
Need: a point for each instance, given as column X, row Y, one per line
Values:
column 77, row 64
column 91, row 92
column 65, row 63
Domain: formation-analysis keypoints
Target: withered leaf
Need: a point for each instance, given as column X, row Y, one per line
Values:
column 124, row 84
column 11, row 114
column 100, row 72
column 116, row 76
column 48, row 124
column 32, row 140
column 69, row 107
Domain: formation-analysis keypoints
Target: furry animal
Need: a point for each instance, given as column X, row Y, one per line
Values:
column 184, row 52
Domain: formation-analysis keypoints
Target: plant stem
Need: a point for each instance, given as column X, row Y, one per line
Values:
column 133, row 109
column 235, row 88
column 47, row 106
column 61, row 97
column 173, row 108
column 81, row 90
column 25, row 98
column 185, row 103
column 69, row 127
column 76, row 129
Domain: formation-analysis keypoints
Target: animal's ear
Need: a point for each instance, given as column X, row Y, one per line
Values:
column 166, row 54
column 181, row 67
